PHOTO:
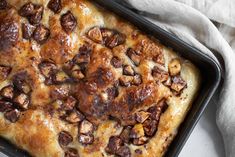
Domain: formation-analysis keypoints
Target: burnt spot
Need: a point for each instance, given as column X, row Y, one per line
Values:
column 12, row 115
column 41, row 34
column 64, row 138
column 68, row 22
column 27, row 31
column 55, row 6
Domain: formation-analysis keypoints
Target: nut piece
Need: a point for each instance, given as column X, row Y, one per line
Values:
column 133, row 56
column 86, row 139
column 68, row 22
column 159, row 75
column 71, row 152
column 3, row 4
column 116, row 62
column 27, row 31
column 137, row 131
column 41, row 34
column 174, row 67
column 12, row 115
column 55, row 6
column 22, row 100
column 178, row 84
column 95, row 34
column 128, row 70
column 150, row 127
column 125, row 134
column 125, row 80
column 60, row 77
column 140, row 141
column 7, row 92
column 124, row 151
column 75, row 117
column 86, row 127
column 137, row 80
column 47, row 68
column 4, row 71
column 64, row 138
column 141, row 116
column 113, row 145
column 5, row 106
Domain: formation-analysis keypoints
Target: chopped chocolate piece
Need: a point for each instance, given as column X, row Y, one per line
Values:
column 133, row 56
column 125, row 134
column 116, row 62
column 27, row 31
column 86, row 139
column 112, row 93
column 55, row 6
column 150, row 127
column 69, row 103
column 71, row 152
column 174, row 67
column 95, row 34
column 47, row 68
column 41, row 34
column 77, row 74
column 4, row 72
column 178, row 84
column 5, row 106
column 3, row 4
column 137, row 80
column 12, row 115
column 128, row 70
column 7, row 92
column 124, row 151
column 157, row 110
column 64, row 138
column 22, row 100
column 106, row 34
column 113, row 145
column 60, row 92
column 75, row 117
column 90, row 87
column 141, row 116
column 160, row 75
column 138, row 151
column 27, row 10
column 36, row 17
column 115, row 40
column 83, row 57
column 125, row 81
column 86, row 127
column 19, row 81
column 159, row 59
column 137, row 131
column 60, row 77
column 140, row 141
column 68, row 22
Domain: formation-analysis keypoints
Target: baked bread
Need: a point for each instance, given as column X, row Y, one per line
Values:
column 76, row 80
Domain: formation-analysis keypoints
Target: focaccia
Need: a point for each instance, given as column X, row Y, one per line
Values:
column 76, row 80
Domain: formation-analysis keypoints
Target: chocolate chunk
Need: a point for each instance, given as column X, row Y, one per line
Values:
column 27, row 10
column 3, row 4
column 9, row 33
column 20, row 82
column 113, row 145
column 12, row 115
column 69, row 103
column 60, row 92
column 141, row 116
column 128, row 70
column 60, row 77
column 5, row 106
column 150, row 127
column 133, row 56
column 4, row 72
column 178, row 84
column 137, row 80
column 138, row 151
column 95, row 34
column 116, row 62
column 112, row 93
column 65, row 138
column 160, row 75
column 75, row 117
column 125, row 81
column 68, row 22
column 125, row 134
column 77, row 74
column 137, row 131
column 159, row 59
column 86, row 139
column 41, row 34
column 115, row 40
column 55, row 6
column 71, row 152
column 22, row 100
column 124, row 151
column 47, row 68
column 86, row 127
column 27, row 31
column 140, row 141
column 7, row 92
column 83, row 57
column 174, row 67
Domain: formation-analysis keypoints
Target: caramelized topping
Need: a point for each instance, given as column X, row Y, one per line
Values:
column 64, row 138
column 5, row 106
column 133, row 56
column 27, row 31
column 178, row 84
column 41, row 34
column 116, row 62
column 174, row 67
column 86, row 127
column 86, row 139
column 71, row 152
column 22, row 100
column 95, row 35
column 75, row 117
column 68, row 22
column 55, row 5
column 113, row 145
column 160, row 75
column 4, row 72
column 128, row 70
column 12, row 115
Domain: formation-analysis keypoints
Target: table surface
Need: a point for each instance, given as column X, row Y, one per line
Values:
column 205, row 140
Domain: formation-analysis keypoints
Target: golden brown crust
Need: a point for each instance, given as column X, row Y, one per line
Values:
column 77, row 80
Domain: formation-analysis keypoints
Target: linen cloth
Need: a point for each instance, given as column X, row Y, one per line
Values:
column 195, row 28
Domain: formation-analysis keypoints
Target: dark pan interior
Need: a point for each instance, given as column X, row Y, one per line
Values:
column 210, row 71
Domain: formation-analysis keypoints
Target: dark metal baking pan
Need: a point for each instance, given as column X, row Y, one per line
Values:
column 210, row 70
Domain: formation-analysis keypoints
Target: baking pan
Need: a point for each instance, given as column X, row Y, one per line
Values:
column 210, row 71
